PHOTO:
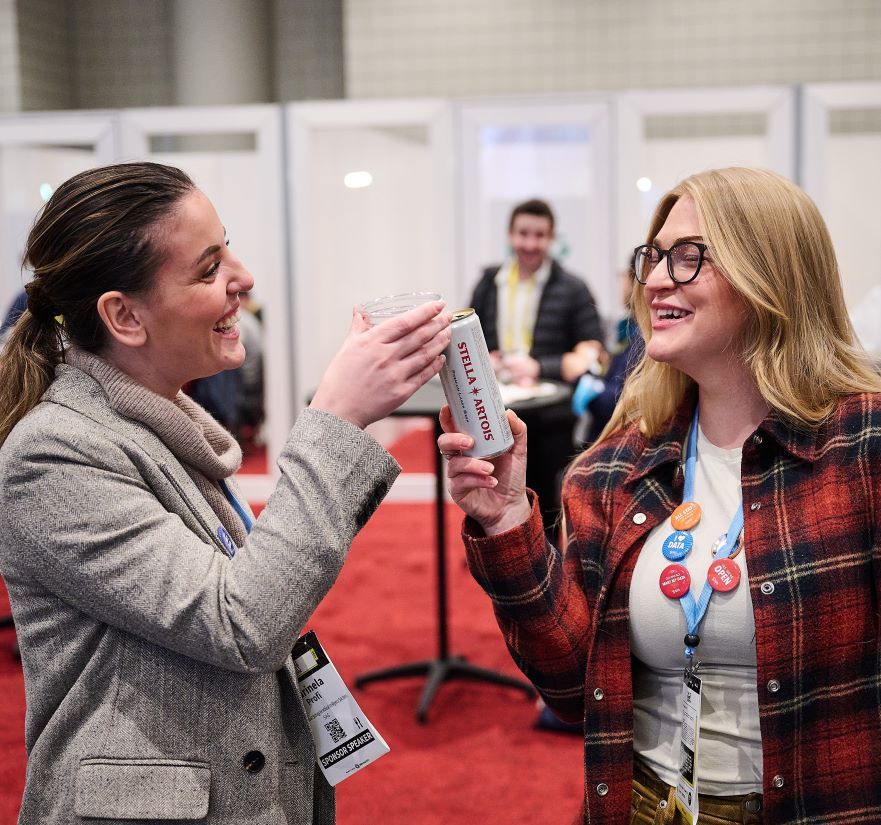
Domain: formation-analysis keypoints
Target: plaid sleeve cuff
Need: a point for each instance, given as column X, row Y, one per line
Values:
column 500, row 563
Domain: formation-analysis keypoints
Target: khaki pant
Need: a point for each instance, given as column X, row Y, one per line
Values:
column 654, row 803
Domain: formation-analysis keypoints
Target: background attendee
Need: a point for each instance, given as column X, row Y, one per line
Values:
column 155, row 614
column 755, row 409
column 540, row 322
column 235, row 397
column 220, row 395
column 251, row 407
column 16, row 308
column 595, row 397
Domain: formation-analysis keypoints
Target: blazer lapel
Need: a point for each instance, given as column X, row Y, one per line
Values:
column 78, row 391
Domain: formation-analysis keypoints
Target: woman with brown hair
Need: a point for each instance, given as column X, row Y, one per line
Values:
column 155, row 614
column 713, row 617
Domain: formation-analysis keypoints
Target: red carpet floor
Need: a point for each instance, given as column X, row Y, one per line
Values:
column 477, row 759
column 415, row 450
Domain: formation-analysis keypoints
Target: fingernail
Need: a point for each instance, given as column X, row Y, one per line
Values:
column 493, row 481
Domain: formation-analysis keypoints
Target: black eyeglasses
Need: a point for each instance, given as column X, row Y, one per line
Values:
column 683, row 260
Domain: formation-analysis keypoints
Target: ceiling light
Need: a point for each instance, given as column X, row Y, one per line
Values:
column 358, row 180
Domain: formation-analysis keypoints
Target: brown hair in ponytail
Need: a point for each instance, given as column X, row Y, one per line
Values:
column 100, row 231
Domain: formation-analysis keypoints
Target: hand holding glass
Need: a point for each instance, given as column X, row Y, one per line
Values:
column 380, row 366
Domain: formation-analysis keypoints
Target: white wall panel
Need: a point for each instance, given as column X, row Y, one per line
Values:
column 351, row 245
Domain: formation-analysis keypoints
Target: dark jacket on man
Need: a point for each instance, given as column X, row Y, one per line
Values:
column 567, row 314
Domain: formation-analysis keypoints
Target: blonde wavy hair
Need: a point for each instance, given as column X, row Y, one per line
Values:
column 767, row 238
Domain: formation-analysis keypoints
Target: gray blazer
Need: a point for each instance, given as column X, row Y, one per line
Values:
column 157, row 669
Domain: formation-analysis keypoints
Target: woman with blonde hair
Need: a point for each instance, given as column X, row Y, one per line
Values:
column 713, row 617
column 155, row 614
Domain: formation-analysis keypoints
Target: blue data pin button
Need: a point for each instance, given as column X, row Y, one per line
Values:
column 677, row 545
column 226, row 540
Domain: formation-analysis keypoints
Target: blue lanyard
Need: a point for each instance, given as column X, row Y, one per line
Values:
column 696, row 609
column 236, row 505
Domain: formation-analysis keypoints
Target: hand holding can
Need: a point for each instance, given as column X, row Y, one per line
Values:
column 492, row 492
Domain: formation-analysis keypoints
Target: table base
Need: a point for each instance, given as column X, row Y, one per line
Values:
column 437, row 671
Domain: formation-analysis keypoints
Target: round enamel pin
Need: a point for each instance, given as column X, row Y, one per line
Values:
column 675, row 581
column 686, row 515
column 724, row 575
column 677, row 546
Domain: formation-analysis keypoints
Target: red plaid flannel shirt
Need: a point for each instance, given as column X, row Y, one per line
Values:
column 812, row 506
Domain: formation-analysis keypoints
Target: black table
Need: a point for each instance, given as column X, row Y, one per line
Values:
column 427, row 402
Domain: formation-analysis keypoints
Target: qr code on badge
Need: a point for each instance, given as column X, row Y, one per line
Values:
column 335, row 729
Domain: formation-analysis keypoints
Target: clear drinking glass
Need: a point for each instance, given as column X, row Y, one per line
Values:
column 381, row 309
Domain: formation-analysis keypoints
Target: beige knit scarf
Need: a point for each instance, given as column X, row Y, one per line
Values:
column 204, row 448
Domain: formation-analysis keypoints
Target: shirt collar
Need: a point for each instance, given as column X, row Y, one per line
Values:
column 667, row 444
column 800, row 441
column 540, row 278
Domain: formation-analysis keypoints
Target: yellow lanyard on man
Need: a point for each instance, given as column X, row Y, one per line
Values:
column 517, row 312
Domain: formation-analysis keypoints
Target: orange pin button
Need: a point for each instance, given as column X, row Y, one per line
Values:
column 686, row 515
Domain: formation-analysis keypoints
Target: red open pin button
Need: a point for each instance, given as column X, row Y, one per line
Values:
column 724, row 575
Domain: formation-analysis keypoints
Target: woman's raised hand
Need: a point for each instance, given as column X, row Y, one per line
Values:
column 379, row 367
column 492, row 492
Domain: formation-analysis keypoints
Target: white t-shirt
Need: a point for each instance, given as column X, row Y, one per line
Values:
column 730, row 750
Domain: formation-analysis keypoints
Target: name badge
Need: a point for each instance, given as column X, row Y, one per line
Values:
column 345, row 739
column 686, row 787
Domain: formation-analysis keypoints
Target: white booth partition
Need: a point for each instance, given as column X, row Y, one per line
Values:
column 235, row 155
column 841, row 171
column 557, row 149
column 38, row 152
column 371, row 186
column 664, row 136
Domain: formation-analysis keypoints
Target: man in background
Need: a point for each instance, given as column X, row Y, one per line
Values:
column 595, row 398
column 540, row 323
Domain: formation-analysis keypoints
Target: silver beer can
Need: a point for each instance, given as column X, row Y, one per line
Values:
column 472, row 390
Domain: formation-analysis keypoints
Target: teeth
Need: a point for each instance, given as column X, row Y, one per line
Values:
column 228, row 324
column 665, row 314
